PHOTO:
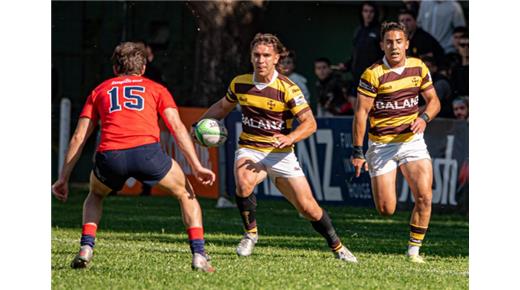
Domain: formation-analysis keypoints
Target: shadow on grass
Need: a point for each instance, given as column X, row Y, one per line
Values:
column 158, row 219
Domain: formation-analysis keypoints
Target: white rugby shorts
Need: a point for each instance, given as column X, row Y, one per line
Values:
column 283, row 164
column 385, row 157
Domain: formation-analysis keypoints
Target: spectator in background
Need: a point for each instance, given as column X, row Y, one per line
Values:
column 442, row 86
column 439, row 18
column 331, row 91
column 460, row 72
column 454, row 58
column 421, row 42
column 412, row 5
column 287, row 66
column 366, row 49
column 152, row 71
column 461, row 108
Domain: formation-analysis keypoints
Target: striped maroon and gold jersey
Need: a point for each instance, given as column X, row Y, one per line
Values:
column 266, row 110
column 396, row 93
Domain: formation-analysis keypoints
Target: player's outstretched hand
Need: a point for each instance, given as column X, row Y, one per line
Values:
column 60, row 189
column 204, row 175
column 418, row 126
column 282, row 141
column 359, row 163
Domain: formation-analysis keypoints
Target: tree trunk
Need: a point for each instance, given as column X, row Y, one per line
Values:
column 224, row 31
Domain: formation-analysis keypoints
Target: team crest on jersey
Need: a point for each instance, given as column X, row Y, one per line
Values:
column 416, row 81
column 271, row 104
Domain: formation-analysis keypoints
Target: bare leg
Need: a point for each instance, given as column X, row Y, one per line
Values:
column 298, row 192
column 383, row 190
column 93, row 205
column 419, row 176
column 178, row 185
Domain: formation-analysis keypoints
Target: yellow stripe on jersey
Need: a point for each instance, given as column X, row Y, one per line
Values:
column 251, row 137
column 392, row 138
column 392, row 121
column 262, row 103
column 400, row 84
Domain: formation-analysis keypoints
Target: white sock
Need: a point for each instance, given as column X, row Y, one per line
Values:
column 413, row 250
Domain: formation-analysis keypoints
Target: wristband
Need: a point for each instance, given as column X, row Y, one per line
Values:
column 425, row 117
column 357, row 152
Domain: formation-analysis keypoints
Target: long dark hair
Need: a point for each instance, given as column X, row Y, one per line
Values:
column 375, row 21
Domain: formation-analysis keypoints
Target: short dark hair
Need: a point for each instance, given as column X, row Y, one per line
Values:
column 268, row 38
column 129, row 58
column 460, row 29
column 323, row 59
column 389, row 26
column 407, row 11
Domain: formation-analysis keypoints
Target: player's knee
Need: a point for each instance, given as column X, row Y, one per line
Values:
column 311, row 213
column 244, row 189
column 385, row 210
column 423, row 202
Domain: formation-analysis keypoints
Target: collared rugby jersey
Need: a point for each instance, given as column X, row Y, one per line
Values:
column 396, row 92
column 128, row 108
column 266, row 110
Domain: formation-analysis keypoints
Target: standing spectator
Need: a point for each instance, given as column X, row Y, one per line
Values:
column 461, row 108
column 287, row 66
column 439, row 18
column 331, row 91
column 442, row 86
column 366, row 49
column 460, row 73
column 421, row 42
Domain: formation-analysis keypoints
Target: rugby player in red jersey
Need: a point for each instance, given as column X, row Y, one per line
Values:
column 388, row 94
column 128, row 106
column 269, row 103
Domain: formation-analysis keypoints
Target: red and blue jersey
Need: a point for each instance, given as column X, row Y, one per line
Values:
column 128, row 108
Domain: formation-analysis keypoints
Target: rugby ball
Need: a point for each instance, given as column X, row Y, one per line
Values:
column 210, row 133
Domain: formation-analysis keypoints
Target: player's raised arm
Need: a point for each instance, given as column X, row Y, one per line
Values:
column 173, row 121
column 84, row 129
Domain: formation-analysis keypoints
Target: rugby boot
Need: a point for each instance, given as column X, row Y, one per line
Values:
column 247, row 244
column 200, row 263
column 83, row 257
column 345, row 255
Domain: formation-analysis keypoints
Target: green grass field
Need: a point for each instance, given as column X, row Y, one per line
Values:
column 141, row 244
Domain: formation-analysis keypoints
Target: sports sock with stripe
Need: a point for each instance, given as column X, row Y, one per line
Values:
column 88, row 235
column 324, row 227
column 196, row 239
column 417, row 234
column 247, row 208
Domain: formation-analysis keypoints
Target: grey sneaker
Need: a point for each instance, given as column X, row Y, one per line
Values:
column 345, row 255
column 247, row 244
column 200, row 263
column 83, row 257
